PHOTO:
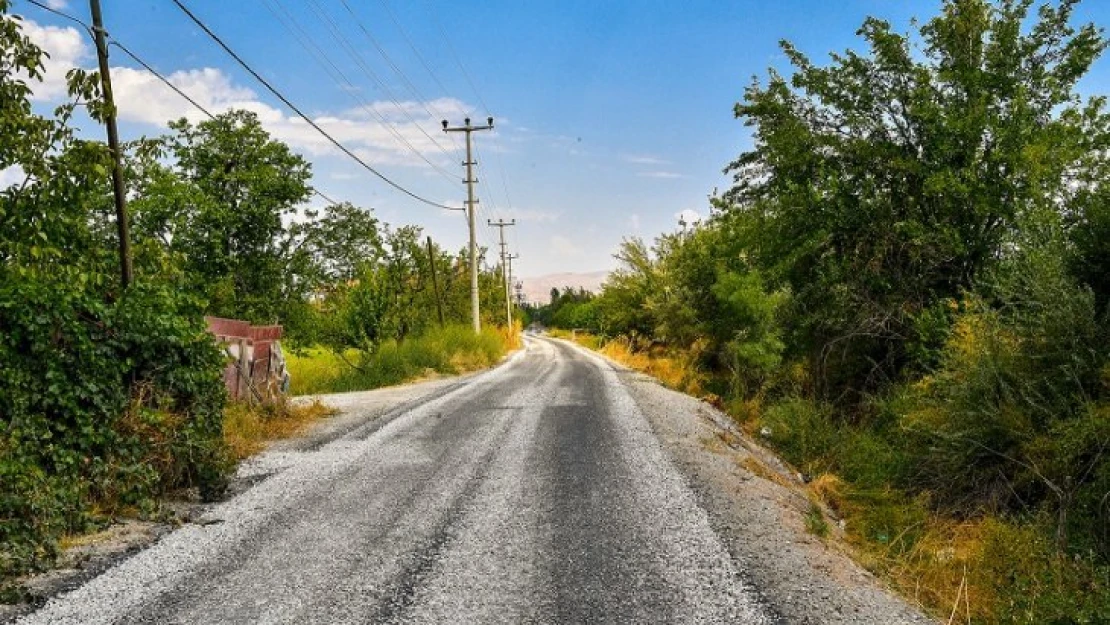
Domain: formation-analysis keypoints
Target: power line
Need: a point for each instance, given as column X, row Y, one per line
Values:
column 469, row 80
column 420, row 57
column 178, row 91
column 458, row 61
column 412, row 46
column 50, row 9
column 338, row 76
column 297, row 110
column 412, row 89
column 134, row 57
column 337, row 34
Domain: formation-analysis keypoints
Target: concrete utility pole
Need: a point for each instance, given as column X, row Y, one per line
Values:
column 113, row 146
column 509, row 264
column 470, row 202
column 505, row 269
column 435, row 283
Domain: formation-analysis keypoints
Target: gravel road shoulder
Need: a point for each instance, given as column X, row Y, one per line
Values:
column 760, row 515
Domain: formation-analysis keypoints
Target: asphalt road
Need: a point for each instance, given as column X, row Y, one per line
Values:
column 532, row 493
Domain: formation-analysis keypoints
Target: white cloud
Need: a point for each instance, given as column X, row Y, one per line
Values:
column 143, row 98
column 634, row 222
column 689, row 216
column 10, row 176
column 644, row 160
column 533, row 215
column 57, row 5
column 564, row 247
column 659, row 174
column 66, row 48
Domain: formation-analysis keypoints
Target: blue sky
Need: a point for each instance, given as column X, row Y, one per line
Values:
column 612, row 117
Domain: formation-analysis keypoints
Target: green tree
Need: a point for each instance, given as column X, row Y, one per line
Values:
column 107, row 398
column 221, row 207
column 888, row 180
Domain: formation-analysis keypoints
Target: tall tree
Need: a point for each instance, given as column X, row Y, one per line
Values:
column 222, row 205
column 890, row 179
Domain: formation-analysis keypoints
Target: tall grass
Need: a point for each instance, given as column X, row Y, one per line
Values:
column 247, row 427
column 450, row 350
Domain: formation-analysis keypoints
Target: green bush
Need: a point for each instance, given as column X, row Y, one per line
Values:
column 103, row 405
column 1004, row 423
column 1038, row 585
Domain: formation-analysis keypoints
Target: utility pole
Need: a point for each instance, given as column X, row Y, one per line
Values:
column 509, row 264
column 501, row 224
column 113, row 146
column 435, row 283
column 470, row 202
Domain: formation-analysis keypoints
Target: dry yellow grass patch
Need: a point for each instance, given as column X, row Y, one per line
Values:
column 942, row 569
column 248, row 428
column 674, row 369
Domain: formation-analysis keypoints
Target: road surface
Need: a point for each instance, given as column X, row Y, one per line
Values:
column 536, row 492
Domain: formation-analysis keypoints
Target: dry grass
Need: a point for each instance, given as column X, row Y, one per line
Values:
column 943, row 570
column 675, row 369
column 247, row 428
column 939, row 563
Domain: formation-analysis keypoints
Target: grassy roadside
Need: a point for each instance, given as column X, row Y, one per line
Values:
column 247, row 428
column 441, row 351
column 317, row 370
column 979, row 569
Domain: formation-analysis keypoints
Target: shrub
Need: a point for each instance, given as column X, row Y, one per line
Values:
column 1005, row 423
column 103, row 406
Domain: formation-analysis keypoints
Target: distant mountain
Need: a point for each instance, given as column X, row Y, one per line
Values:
column 538, row 290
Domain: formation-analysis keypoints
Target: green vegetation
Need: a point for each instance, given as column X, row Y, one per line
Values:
column 905, row 291
column 111, row 398
column 248, row 427
column 451, row 350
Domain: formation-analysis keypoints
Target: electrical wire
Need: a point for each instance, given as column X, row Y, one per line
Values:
column 134, row 57
column 51, row 9
column 305, row 41
column 470, row 82
column 458, row 61
column 297, row 110
column 337, row 34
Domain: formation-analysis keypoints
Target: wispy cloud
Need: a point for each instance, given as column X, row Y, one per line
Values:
column 643, row 159
column 659, row 174
column 534, row 215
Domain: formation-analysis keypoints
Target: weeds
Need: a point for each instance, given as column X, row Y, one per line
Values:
column 815, row 521
column 447, row 351
column 247, row 428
